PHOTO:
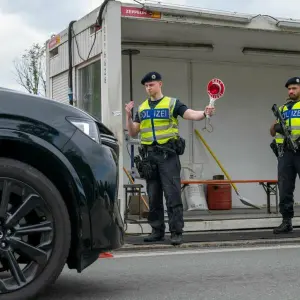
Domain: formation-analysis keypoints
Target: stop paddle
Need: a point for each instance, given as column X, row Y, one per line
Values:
column 215, row 90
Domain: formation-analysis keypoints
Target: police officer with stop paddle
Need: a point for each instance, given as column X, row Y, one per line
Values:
column 288, row 160
column 156, row 121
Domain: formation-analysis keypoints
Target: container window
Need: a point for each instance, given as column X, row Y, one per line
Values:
column 53, row 52
column 90, row 89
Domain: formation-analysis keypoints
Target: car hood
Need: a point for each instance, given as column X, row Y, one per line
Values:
column 41, row 109
column 39, row 102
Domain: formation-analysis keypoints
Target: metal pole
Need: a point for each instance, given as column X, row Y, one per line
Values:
column 131, row 99
column 131, row 52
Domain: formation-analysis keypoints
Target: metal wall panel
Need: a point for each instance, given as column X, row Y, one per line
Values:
column 60, row 62
column 81, row 49
column 85, row 41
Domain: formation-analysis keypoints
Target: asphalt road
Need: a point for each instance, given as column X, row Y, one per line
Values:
column 253, row 273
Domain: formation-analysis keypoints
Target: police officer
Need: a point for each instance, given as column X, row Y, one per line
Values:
column 288, row 161
column 156, row 121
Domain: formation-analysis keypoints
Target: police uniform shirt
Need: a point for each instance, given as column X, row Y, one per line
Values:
column 179, row 109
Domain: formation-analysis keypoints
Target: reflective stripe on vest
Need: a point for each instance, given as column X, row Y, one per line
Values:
column 158, row 123
column 292, row 120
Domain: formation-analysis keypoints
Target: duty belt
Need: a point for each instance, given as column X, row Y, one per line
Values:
column 159, row 148
column 172, row 146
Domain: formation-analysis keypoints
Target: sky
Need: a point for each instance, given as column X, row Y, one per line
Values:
column 26, row 22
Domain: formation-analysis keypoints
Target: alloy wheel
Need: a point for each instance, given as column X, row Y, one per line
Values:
column 26, row 235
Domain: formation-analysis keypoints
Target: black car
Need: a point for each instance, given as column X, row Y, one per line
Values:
column 59, row 192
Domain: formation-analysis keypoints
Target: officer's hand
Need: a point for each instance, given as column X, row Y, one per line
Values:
column 128, row 108
column 209, row 111
column 278, row 128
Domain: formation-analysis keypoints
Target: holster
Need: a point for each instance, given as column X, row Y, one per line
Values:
column 179, row 145
column 274, row 148
column 145, row 167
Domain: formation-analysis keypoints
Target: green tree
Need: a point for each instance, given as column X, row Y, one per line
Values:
column 31, row 71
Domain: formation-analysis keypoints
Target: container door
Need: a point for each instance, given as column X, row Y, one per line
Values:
column 60, row 88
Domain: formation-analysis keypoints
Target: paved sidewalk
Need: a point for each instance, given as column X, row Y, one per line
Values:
column 216, row 239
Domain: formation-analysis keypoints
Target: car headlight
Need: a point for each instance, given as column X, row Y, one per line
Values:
column 89, row 127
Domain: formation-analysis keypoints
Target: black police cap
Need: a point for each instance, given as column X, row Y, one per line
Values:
column 293, row 80
column 151, row 76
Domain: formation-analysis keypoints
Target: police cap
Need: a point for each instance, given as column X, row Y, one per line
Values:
column 151, row 76
column 293, row 80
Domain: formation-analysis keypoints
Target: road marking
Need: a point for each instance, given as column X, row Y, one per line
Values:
column 203, row 251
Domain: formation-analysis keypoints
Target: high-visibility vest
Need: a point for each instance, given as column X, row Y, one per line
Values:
column 158, row 124
column 292, row 119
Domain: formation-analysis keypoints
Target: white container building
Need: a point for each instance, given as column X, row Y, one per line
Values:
column 253, row 55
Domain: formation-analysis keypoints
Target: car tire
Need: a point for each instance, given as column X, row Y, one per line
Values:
column 54, row 202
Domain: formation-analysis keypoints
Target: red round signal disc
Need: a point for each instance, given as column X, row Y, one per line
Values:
column 215, row 88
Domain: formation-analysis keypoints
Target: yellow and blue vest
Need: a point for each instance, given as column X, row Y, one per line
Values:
column 158, row 124
column 292, row 118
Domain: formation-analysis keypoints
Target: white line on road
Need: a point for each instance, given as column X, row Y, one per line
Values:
column 204, row 251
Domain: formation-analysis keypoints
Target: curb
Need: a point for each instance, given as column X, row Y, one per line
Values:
column 237, row 243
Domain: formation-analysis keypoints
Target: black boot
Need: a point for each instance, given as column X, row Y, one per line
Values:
column 176, row 239
column 155, row 236
column 284, row 227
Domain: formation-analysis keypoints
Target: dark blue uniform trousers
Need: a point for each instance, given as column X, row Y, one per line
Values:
column 166, row 183
column 288, row 169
